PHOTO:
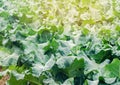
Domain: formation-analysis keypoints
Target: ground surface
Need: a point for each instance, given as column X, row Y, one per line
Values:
column 4, row 78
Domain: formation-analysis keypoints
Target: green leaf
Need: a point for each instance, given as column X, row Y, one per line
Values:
column 72, row 66
column 18, row 76
column 109, row 80
column 117, row 28
column 101, row 56
column 50, row 81
column 60, row 29
column 37, row 69
column 13, row 80
column 85, row 3
column 4, row 14
column 112, row 70
column 9, row 60
column 85, row 31
column 49, row 64
column 25, row 19
column 1, row 3
column 34, row 80
column 31, row 31
column 76, row 68
column 69, row 81
column 105, row 32
column 65, row 62
column 89, row 82
column 44, row 35
column 52, row 46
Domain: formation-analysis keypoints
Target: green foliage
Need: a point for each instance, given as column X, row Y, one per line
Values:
column 112, row 69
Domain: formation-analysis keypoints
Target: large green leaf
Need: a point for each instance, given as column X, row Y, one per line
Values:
column 76, row 68
column 113, row 69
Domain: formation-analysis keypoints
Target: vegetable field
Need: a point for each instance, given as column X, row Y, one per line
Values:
column 60, row 42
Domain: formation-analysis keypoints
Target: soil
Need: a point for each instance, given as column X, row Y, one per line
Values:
column 4, row 78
